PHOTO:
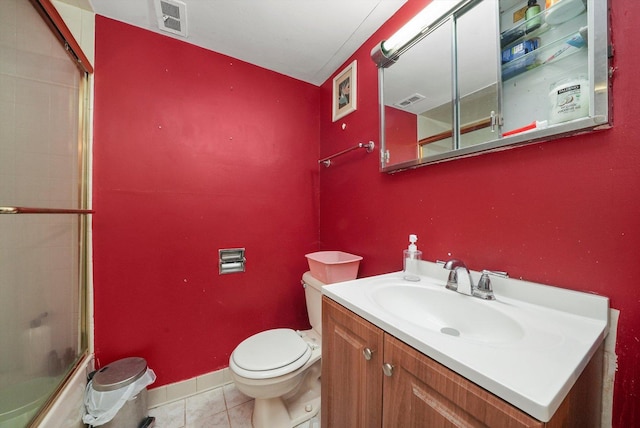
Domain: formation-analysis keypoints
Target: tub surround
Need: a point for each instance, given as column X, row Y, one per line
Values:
column 67, row 409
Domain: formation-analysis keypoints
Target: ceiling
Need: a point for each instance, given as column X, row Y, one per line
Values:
column 304, row 39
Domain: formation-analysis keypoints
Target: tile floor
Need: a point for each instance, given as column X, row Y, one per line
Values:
column 223, row 407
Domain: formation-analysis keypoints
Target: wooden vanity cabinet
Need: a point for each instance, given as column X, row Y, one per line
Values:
column 421, row 392
column 351, row 384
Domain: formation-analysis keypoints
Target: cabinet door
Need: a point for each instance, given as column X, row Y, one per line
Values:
column 546, row 64
column 423, row 393
column 477, row 72
column 352, row 384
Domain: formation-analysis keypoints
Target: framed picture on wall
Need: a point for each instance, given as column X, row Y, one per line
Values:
column 345, row 91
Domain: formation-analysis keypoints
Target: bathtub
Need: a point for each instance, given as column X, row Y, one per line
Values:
column 20, row 403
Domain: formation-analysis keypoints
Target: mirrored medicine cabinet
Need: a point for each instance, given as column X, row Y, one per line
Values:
column 471, row 76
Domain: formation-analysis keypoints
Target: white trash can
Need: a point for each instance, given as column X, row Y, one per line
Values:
column 116, row 395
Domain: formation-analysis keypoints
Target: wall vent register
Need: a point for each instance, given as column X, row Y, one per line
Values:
column 410, row 100
column 172, row 16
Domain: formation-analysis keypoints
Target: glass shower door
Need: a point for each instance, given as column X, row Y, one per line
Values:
column 41, row 230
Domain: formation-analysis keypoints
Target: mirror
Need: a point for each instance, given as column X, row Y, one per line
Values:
column 477, row 72
column 418, row 96
column 420, row 115
column 447, row 90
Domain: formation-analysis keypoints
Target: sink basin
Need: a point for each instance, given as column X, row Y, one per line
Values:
column 448, row 312
column 527, row 347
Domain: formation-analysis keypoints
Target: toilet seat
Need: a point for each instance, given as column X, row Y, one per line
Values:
column 270, row 354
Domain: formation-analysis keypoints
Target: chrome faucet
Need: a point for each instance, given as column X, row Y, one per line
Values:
column 459, row 271
column 460, row 280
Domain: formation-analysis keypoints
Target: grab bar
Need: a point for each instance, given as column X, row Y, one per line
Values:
column 29, row 210
column 369, row 146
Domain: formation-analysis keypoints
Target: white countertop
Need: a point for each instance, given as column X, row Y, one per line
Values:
column 562, row 330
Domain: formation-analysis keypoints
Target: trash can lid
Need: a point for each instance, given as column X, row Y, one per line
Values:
column 119, row 374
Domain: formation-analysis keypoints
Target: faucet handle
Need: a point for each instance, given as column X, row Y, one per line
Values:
column 499, row 273
column 484, row 290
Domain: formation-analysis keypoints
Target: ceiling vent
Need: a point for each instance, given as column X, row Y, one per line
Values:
column 172, row 16
column 409, row 100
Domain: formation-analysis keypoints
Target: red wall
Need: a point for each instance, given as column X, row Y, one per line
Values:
column 194, row 152
column 401, row 128
column 565, row 212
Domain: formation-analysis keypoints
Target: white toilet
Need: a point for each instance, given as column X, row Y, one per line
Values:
column 280, row 368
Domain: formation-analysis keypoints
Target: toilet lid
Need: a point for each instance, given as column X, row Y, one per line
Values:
column 271, row 350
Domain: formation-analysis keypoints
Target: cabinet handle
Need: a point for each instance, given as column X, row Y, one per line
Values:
column 368, row 354
column 387, row 369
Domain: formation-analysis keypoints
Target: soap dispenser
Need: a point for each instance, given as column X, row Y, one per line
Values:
column 410, row 259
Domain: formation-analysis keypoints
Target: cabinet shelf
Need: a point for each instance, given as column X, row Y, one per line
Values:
column 559, row 13
column 549, row 53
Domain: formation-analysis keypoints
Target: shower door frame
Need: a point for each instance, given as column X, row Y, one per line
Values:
column 63, row 35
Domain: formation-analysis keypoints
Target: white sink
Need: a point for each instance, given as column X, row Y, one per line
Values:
column 448, row 312
column 528, row 346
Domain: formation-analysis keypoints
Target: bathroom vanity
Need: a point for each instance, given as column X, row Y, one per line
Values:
column 390, row 370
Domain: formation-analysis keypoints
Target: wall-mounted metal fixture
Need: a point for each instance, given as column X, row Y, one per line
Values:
column 369, row 146
column 231, row 260
column 388, row 51
column 29, row 210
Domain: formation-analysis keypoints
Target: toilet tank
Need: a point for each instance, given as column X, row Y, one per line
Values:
column 313, row 296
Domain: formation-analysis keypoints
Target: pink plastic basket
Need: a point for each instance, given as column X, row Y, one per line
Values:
column 333, row 266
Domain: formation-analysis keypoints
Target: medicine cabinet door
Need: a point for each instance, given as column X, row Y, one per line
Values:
column 554, row 66
column 418, row 100
column 477, row 71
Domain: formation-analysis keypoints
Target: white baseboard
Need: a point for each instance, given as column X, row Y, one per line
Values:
column 186, row 388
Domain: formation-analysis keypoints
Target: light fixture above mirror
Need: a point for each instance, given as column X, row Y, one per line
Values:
column 387, row 51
